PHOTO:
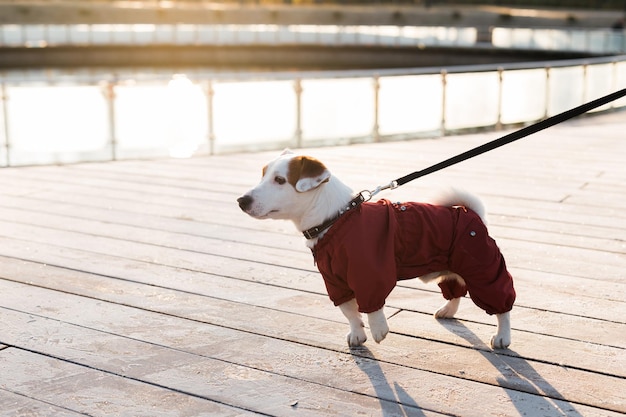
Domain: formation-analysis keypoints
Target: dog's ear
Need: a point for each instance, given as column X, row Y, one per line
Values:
column 307, row 173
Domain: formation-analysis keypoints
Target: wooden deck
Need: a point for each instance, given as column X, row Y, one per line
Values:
column 138, row 288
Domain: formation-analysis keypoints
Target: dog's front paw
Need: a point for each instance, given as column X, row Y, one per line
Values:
column 378, row 325
column 357, row 336
column 502, row 339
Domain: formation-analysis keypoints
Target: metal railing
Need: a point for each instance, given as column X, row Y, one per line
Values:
column 55, row 116
column 228, row 34
column 145, row 116
column 588, row 40
column 597, row 41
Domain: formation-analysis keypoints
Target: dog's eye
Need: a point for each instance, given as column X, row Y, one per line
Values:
column 280, row 180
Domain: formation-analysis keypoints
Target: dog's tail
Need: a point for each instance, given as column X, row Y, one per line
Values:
column 457, row 197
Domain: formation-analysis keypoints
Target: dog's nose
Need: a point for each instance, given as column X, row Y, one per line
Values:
column 244, row 202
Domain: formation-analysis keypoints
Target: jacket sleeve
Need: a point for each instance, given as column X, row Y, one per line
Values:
column 338, row 290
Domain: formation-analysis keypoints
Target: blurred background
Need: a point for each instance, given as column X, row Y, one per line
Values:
column 104, row 80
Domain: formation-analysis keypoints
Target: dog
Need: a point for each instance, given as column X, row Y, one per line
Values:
column 363, row 248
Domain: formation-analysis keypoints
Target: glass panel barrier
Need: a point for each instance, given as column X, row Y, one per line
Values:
column 35, row 36
column 410, row 104
column 620, row 82
column 58, row 35
column 143, row 34
column 79, row 34
column 565, row 89
column 153, row 120
column 471, row 100
column 589, row 40
column 337, row 108
column 523, row 95
column 140, row 116
column 254, row 113
column 164, row 33
column 4, row 161
column 12, row 35
column 598, row 83
column 185, row 34
column 101, row 34
column 54, row 124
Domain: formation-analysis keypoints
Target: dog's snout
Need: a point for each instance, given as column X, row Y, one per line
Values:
column 245, row 202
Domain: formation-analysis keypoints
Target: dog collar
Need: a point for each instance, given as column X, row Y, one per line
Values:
column 314, row 232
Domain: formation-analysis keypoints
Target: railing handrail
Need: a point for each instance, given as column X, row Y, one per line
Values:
column 90, row 77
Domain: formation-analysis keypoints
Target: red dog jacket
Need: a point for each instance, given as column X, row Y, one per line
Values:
column 369, row 249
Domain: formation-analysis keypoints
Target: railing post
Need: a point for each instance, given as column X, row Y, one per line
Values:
column 210, row 93
column 5, row 116
column 444, row 83
column 375, row 128
column 297, row 87
column 614, row 85
column 109, row 94
column 499, row 116
column 584, row 97
column 546, row 112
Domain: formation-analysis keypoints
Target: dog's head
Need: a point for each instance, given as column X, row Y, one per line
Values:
column 285, row 188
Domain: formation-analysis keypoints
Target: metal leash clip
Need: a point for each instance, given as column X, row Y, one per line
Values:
column 392, row 185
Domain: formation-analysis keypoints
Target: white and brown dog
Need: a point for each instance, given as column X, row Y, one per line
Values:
column 362, row 249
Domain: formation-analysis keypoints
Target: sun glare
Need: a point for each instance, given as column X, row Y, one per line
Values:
column 183, row 139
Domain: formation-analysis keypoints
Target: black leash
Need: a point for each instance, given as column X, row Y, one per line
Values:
column 511, row 137
column 479, row 150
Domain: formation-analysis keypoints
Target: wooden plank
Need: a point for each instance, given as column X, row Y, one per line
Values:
column 287, row 300
column 530, row 346
column 396, row 159
column 538, row 322
column 586, row 237
column 535, row 235
column 266, row 247
column 198, row 243
column 559, row 293
column 284, row 257
column 220, row 376
column 58, row 386
column 170, row 262
column 13, row 404
column 592, row 264
column 259, row 254
column 610, row 220
column 200, row 375
column 301, row 259
column 398, row 349
column 144, row 268
column 288, row 257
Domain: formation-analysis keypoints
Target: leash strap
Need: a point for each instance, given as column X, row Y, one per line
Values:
column 479, row 150
column 522, row 133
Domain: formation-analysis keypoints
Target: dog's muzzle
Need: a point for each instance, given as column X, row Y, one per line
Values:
column 245, row 202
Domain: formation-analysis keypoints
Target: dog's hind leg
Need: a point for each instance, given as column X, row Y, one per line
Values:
column 357, row 335
column 449, row 309
column 453, row 288
column 502, row 339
